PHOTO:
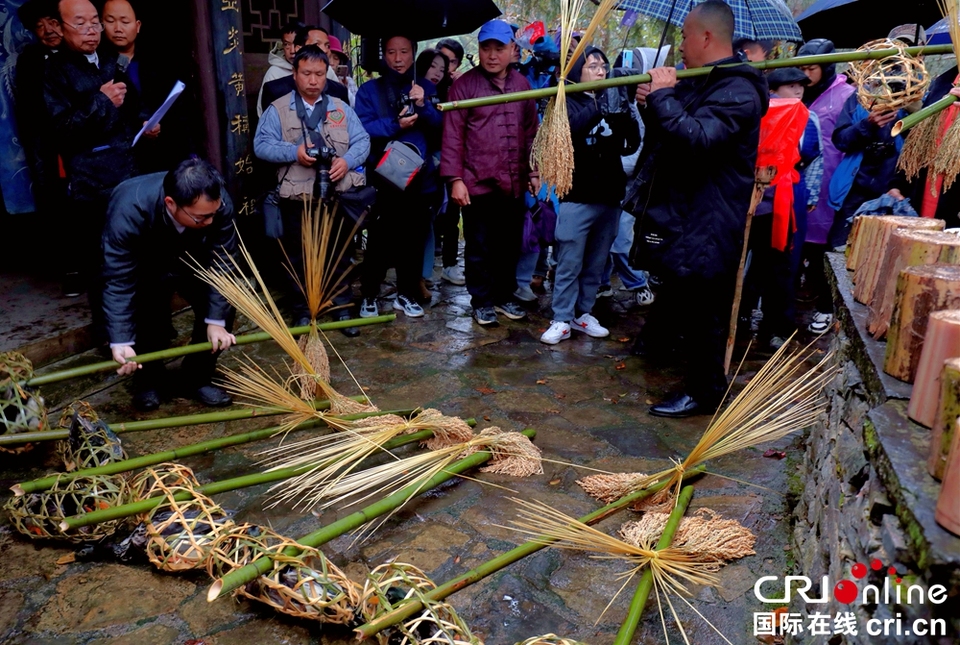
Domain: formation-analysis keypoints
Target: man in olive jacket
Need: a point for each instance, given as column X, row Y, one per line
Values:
column 155, row 224
column 691, row 196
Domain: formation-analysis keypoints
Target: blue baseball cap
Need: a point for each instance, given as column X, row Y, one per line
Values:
column 497, row 30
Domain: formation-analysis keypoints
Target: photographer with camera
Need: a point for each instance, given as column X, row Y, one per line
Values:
column 320, row 145
column 603, row 128
column 398, row 111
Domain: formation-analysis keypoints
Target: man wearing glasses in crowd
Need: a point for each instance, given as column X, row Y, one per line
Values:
column 92, row 129
column 154, row 224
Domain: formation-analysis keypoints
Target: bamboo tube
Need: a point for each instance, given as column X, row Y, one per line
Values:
column 260, row 566
column 870, row 248
column 629, row 626
column 164, row 422
column 907, row 248
column 947, row 414
column 412, row 606
column 179, row 453
column 921, row 292
column 797, row 61
column 941, row 343
column 933, row 109
column 244, row 481
column 947, row 513
column 176, row 352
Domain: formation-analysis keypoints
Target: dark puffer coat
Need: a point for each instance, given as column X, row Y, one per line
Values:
column 141, row 248
column 695, row 173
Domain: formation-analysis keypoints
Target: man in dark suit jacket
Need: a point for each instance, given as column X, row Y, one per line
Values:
column 154, row 223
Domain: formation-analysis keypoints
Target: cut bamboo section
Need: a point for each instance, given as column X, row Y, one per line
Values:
column 948, row 503
column 942, row 342
column 853, row 244
column 921, row 291
column 869, row 248
column 947, row 414
column 907, row 248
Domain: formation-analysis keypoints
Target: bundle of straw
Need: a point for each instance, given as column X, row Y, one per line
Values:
column 337, row 455
column 781, row 398
column 552, row 151
column 705, row 534
column 252, row 383
column 934, row 144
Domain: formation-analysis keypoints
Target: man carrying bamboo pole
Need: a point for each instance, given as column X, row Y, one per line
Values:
column 691, row 196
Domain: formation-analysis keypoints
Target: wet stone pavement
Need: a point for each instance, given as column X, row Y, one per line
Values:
column 586, row 398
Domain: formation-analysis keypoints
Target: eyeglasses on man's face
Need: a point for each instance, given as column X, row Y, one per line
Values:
column 200, row 220
column 86, row 27
column 598, row 67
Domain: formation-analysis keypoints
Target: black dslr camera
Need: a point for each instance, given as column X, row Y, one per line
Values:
column 324, row 156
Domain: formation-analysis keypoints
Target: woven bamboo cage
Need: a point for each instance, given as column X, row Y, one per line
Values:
column 91, row 442
column 162, row 479
column 306, row 586
column 890, row 83
column 38, row 515
column 388, row 585
column 549, row 639
column 20, row 409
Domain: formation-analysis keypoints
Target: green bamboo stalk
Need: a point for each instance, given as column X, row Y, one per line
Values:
column 629, row 626
column 176, row 352
column 152, row 459
column 261, row 565
column 412, row 606
column 797, row 61
column 163, row 422
column 911, row 120
column 245, row 481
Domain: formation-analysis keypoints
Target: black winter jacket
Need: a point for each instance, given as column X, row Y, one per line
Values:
column 695, row 175
column 92, row 134
column 141, row 248
column 601, row 133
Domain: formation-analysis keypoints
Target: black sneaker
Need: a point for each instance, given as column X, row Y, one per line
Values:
column 485, row 316
column 212, row 396
column 146, row 399
column 511, row 310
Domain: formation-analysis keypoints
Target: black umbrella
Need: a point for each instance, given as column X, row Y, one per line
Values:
column 418, row 19
column 852, row 23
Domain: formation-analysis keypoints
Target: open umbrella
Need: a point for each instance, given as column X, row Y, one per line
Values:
column 417, row 19
column 755, row 19
column 851, row 23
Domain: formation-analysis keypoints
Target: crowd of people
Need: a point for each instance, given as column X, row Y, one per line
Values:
column 663, row 178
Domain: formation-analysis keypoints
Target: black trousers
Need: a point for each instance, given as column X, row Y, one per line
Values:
column 691, row 315
column 153, row 320
column 770, row 279
column 397, row 237
column 815, row 255
column 446, row 232
column 82, row 230
column 291, row 212
column 492, row 230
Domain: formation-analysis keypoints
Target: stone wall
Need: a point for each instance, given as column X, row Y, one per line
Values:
column 864, row 495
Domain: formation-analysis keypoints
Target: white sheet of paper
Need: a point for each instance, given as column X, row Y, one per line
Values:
column 162, row 110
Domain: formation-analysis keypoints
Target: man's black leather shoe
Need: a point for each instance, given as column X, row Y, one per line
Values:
column 679, row 407
column 212, row 396
column 349, row 332
column 146, row 400
column 301, row 321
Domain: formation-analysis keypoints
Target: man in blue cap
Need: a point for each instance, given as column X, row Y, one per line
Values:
column 485, row 160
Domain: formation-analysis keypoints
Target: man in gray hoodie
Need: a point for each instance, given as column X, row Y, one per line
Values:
column 281, row 63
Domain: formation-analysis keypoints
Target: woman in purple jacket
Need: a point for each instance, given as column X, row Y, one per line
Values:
column 825, row 96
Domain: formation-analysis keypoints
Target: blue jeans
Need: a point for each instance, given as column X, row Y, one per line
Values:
column 585, row 233
column 632, row 279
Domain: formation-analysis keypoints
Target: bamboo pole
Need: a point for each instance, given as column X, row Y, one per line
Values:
column 261, row 565
column 164, row 422
column 245, row 481
column 200, row 448
column 176, row 352
column 797, row 61
column 933, row 109
column 762, row 178
column 629, row 626
column 412, row 606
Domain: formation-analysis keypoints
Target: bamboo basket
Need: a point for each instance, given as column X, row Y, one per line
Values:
column 549, row 639
column 20, row 409
column 91, row 442
column 39, row 515
column 890, row 83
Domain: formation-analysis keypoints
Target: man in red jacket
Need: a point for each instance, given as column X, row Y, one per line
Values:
column 485, row 160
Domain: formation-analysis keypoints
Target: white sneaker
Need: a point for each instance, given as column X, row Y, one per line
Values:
column 558, row 331
column 821, row 323
column 453, row 275
column 590, row 326
column 368, row 308
column 644, row 296
column 409, row 307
